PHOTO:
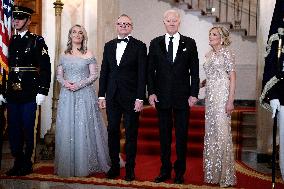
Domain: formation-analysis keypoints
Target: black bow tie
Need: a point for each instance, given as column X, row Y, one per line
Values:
column 125, row 40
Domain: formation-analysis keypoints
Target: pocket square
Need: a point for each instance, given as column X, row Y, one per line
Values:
column 184, row 49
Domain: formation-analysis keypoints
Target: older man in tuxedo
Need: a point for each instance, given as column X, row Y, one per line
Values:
column 173, row 86
column 121, row 90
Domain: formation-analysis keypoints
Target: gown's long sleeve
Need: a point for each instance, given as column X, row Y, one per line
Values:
column 93, row 69
column 92, row 77
column 59, row 75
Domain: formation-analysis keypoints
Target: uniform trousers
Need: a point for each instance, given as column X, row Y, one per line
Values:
column 21, row 122
column 281, row 139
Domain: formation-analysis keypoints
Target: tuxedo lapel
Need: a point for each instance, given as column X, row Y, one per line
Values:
column 162, row 45
column 113, row 53
column 127, row 50
column 181, row 47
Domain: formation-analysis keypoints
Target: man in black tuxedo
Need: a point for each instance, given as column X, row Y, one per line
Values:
column 173, row 86
column 121, row 90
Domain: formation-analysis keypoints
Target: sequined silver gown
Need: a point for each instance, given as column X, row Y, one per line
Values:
column 218, row 154
column 81, row 136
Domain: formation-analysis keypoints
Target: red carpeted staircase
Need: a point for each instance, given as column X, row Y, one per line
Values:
column 148, row 137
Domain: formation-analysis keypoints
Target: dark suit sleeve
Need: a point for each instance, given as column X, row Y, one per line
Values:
column 142, row 62
column 103, row 74
column 151, row 70
column 44, row 66
column 194, row 71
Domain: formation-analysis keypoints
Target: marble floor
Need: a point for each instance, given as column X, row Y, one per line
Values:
column 249, row 158
column 28, row 184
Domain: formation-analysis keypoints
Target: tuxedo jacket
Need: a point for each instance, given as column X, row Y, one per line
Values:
column 173, row 83
column 128, row 80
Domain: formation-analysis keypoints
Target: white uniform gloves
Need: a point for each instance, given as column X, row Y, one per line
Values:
column 2, row 99
column 275, row 105
column 40, row 99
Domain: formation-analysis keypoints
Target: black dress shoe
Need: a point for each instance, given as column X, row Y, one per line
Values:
column 25, row 171
column 113, row 173
column 13, row 171
column 162, row 178
column 179, row 179
column 130, row 175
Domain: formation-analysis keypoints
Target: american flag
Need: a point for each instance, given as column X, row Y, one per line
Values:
column 5, row 32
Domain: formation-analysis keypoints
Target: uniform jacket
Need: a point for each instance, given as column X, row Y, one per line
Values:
column 28, row 52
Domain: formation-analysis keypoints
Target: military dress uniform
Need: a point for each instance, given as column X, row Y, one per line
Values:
column 272, row 96
column 273, row 76
column 29, row 75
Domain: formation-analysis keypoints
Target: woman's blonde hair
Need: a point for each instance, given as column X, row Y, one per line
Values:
column 224, row 33
column 83, row 48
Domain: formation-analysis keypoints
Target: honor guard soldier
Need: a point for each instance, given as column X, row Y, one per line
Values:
column 272, row 97
column 28, row 84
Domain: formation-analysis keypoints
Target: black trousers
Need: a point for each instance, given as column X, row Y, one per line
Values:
column 179, row 119
column 116, row 108
column 21, row 122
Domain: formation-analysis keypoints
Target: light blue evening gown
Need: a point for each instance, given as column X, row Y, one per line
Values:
column 81, row 137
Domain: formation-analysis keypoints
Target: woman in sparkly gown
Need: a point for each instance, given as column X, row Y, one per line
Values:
column 219, row 67
column 81, row 136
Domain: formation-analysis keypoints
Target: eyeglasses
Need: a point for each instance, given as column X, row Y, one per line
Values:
column 125, row 24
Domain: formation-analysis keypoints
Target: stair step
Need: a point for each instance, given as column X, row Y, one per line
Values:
column 153, row 122
column 196, row 12
column 249, row 117
column 196, row 112
column 228, row 25
column 183, row 5
column 195, row 136
column 251, row 38
column 241, row 31
column 209, row 18
column 153, row 147
column 249, row 141
column 248, row 129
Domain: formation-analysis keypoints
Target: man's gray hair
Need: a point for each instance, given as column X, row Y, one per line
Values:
column 172, row 11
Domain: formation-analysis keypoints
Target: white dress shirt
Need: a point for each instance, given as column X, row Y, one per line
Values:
column 22, row 33
column 120, row 49
column 175, row 43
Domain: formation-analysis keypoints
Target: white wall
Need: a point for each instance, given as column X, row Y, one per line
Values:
column 48, row 32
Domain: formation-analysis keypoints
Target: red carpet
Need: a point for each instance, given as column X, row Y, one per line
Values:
column 148, row 167
column 148, row 162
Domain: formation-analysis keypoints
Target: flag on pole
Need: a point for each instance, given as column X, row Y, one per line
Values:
column 271, row 67
column 5, row 32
